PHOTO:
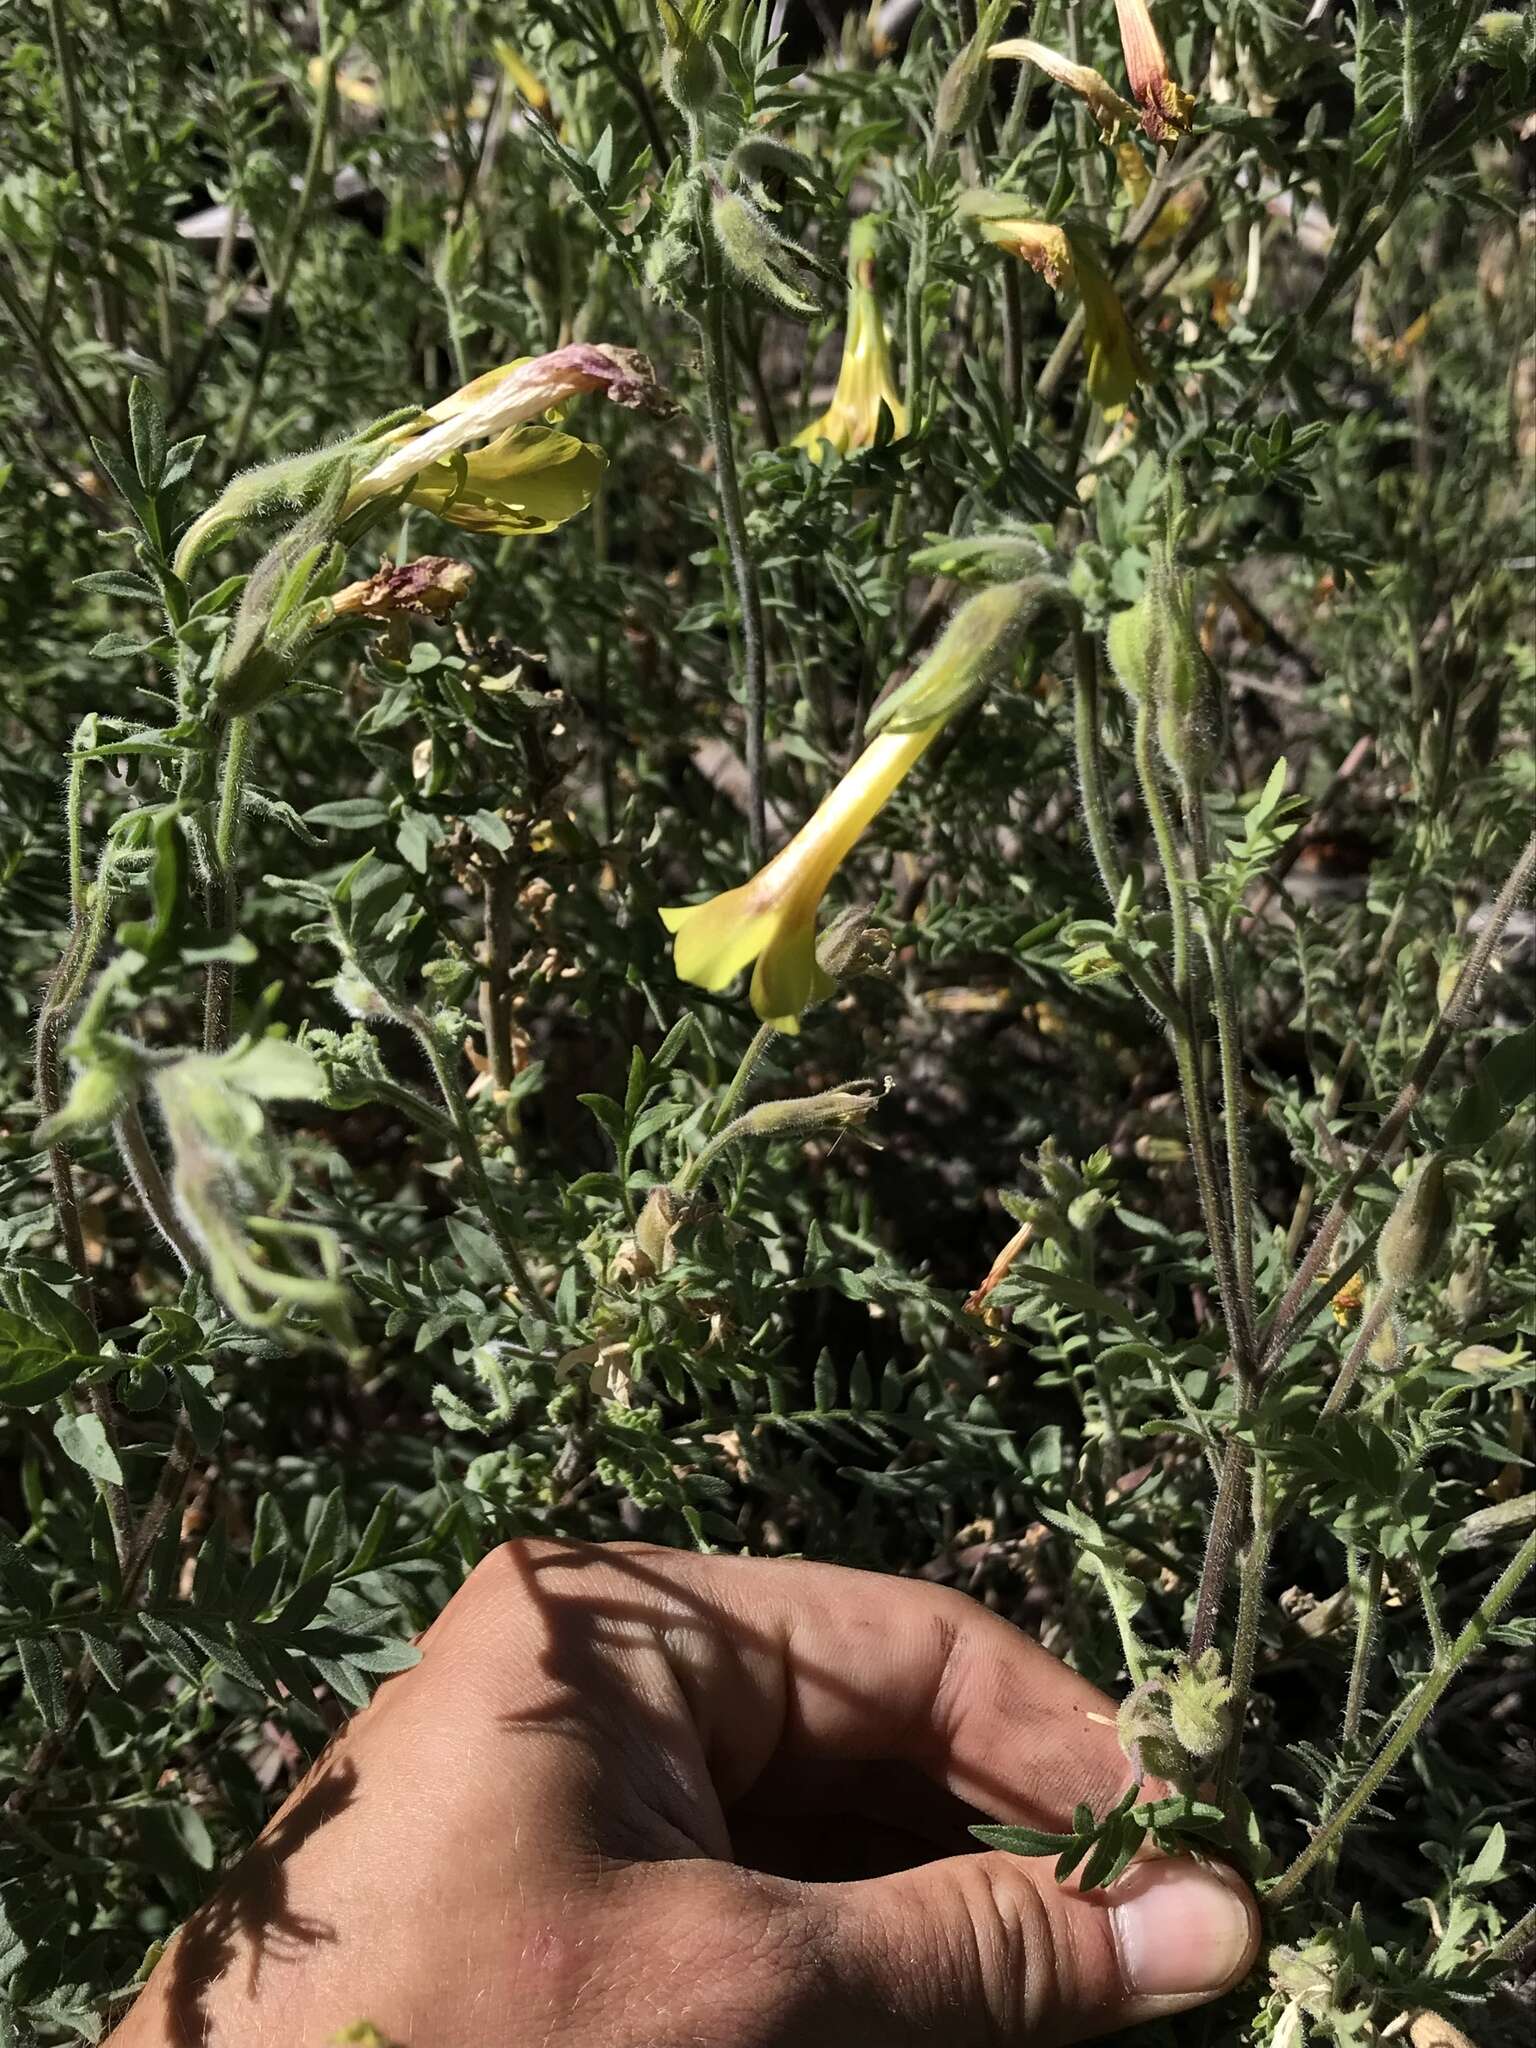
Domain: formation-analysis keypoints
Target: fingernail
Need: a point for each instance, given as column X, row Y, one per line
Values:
column 1181, row 1930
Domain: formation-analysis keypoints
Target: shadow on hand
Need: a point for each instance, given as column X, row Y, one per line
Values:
column 253, row 1906
column 812, row 1818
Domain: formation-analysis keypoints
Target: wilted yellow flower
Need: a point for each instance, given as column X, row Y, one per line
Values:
column 866, row 380
column 1165, row 106
column 1116, row 364
column 1038, row 243
column 476, row 460
column 427, row 587
column 1104, row 103
column 772, row 918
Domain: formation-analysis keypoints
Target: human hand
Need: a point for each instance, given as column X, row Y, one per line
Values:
column 638, row 1798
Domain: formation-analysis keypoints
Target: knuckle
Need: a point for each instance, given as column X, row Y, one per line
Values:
column 1013, row 1959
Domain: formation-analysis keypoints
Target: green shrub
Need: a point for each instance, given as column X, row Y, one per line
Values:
column 1122, row 535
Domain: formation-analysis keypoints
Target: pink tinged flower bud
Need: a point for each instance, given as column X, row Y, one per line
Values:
column 1165, row 106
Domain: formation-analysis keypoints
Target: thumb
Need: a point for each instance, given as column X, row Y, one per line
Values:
column 988, row 1951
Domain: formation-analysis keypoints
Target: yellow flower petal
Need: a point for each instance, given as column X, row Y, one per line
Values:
column 717, row 939
column 1116, row 364
column 787, row 979
column 528, row 480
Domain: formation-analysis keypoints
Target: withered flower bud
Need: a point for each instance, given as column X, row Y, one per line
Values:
column 425, row 588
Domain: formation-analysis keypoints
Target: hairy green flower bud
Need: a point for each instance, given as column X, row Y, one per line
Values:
column 1156, row 654
column 1199, row 1697
column 760, row 255
column 1145, row 1730
column 1466, row 1292
column 976, row 649
column 1007, row 554
column 691, row 76
column 962, row 95
column 1415, row 1234
column 804, row 1116
column 1129, row 642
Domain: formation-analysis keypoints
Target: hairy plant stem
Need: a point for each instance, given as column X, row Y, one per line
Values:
column 1376, row 1315
column 457, row 1105
column 88, row 911
column 1186, row 1045
column 749, row 596
column 298, row 220
column 149, row 1183
column 1230, row 1047
column 1450, row 1020
column 1086, row 716
column 222, row 885
column 1262, row 1526
column 762, row 1038
column 1514, row 1941
column 1221, row 1541
column 1422, row 1703
column 1367, row 1622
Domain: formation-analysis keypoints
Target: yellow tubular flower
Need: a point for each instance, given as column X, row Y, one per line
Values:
column 1134, row 175
column 772, row 918
column 1104, row 103
column 1116, row 364
column 476, row 460
column 866, row 380
column 1165, row 106
column 522, row 76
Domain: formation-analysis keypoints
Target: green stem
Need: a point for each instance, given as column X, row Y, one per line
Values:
column 762, row 1038
column 1230, row 1047
column 1086, row 724
column 1086, row 716
column 298, row 221
column 1367, row 1623
column 1377, row 1314
column 457, row 1105
column 1395, row 1746
column 749, row 597
column 1220, row 1544
column 1514, row 1941
column 1245, row 1648
column 223, row 886
column 149, row 1183
column 1186, row 1044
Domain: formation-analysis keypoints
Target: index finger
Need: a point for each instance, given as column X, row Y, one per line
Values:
column 783, row 1658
